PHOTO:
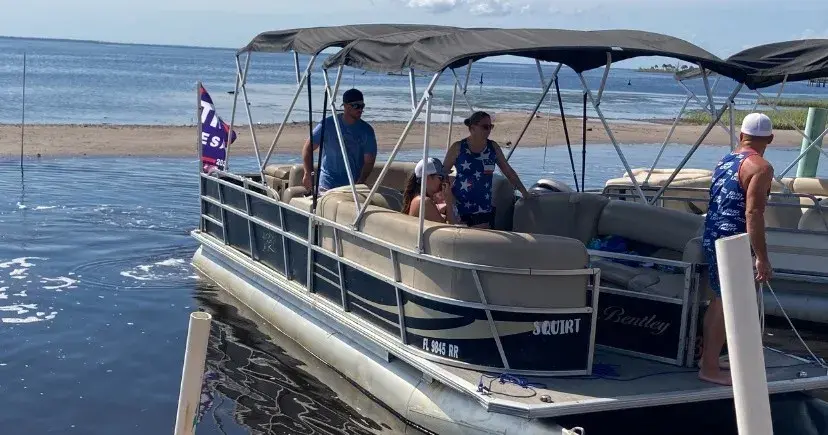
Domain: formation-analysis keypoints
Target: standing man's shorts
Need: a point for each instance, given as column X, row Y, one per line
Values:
column 713, row 265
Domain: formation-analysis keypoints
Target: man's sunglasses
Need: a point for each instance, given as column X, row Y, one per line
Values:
column 357, row 106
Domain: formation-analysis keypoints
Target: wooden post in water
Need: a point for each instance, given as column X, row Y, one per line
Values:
column 744, row 338
column 814, row 127
column 195, row 356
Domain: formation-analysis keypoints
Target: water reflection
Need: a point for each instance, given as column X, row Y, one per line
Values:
column 272, row 391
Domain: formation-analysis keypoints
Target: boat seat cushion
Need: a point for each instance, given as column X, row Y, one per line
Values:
column 395, row 178
column 302, row 202
column 815, row 219
column 810, row 185
column 503, row 201
column 640, row 279
column 564, row 214
column 655, row 226
column 781, row 216
column 293, row 192
column 281, row 172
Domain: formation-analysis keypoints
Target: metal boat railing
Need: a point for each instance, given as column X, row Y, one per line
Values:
column 226, row 196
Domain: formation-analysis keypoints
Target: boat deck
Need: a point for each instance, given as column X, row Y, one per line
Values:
column 622, row 382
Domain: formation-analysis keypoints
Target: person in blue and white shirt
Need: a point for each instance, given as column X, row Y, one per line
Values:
column 738, row 196
column 474, row 159
column 360, row 147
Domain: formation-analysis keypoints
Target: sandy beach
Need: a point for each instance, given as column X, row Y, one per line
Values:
column 171, row 141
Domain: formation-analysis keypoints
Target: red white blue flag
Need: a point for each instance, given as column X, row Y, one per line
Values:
column 214, row 134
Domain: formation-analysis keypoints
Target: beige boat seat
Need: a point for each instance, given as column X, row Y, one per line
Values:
column 503, row 201
column 276, row 176
column 293, row 192
column 813, row 186
column 562, row 214
column 486, row 247
column 669, row 230
column 778, row 215
column 643, row 280
column 673, row 234
column 815, row 219
column 395, row 178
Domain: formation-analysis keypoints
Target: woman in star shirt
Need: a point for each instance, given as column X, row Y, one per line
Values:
column 474, row 159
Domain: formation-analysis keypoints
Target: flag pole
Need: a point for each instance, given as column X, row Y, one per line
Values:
column 23, row 117
column 198, row 148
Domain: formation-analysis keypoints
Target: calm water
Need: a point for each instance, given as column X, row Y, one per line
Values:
column 85, row 82
column 96, row 288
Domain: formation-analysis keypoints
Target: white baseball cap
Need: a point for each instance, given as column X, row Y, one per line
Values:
column 431, row 166
column 757, row 124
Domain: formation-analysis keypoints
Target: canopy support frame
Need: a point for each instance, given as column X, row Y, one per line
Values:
column 427, row 95
column 395, row 150
column 696, row 145
column 340, row 138
column 292, row 104
column 249, row 114
column 546, row 87
column 607, row 128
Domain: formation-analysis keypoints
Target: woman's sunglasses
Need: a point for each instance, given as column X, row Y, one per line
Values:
column 486, row 126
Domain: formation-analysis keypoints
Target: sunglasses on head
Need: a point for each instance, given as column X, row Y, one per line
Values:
column 357, row 106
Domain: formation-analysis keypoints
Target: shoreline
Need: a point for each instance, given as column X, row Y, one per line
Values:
column 112, row 140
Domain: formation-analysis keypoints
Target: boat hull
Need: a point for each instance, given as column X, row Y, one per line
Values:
column 415, row 398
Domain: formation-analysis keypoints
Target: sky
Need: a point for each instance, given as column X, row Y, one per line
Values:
column 722, row 27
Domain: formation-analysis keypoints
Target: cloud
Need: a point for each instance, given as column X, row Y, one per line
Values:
column 812, row 34
column 435, row 6
column 490, row 7
column 475, row 7
column 525, row 8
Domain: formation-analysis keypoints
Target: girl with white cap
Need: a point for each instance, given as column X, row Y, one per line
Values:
column 430, row 172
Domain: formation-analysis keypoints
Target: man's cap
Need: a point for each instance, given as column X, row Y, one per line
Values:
column 431, row 166
column 757, row 124
column 352, row 96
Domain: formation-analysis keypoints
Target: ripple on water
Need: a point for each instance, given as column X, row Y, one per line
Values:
column 167, row 268
column 19, row 309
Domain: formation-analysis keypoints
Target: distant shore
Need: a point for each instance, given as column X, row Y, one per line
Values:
column 176, row 141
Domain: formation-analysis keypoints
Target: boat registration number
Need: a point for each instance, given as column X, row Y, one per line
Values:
column 441, row 348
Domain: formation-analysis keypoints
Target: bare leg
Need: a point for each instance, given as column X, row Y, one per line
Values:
column 712, row 343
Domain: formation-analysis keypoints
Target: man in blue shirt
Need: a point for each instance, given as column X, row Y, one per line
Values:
column 360, row 147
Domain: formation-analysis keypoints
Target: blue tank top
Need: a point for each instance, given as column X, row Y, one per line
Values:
column 472, row 186
column 726, row 210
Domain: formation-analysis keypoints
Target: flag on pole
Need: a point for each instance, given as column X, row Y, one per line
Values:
column 214, row 133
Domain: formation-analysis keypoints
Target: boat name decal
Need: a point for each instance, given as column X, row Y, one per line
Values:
column 557, row 327
column 618, row 315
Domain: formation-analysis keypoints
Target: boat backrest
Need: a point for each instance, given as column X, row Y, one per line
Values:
column 564, row 214
column 782, row 216
column 503, row 200
column 395, row 178
column 815, row 219
column 813, row 186
column 485, row 247
column 669, row 230
column 276, row 176
column 583, row 216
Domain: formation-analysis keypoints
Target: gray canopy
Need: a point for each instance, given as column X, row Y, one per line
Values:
column 313, row 40
column 434, row 49
column 768, row 64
